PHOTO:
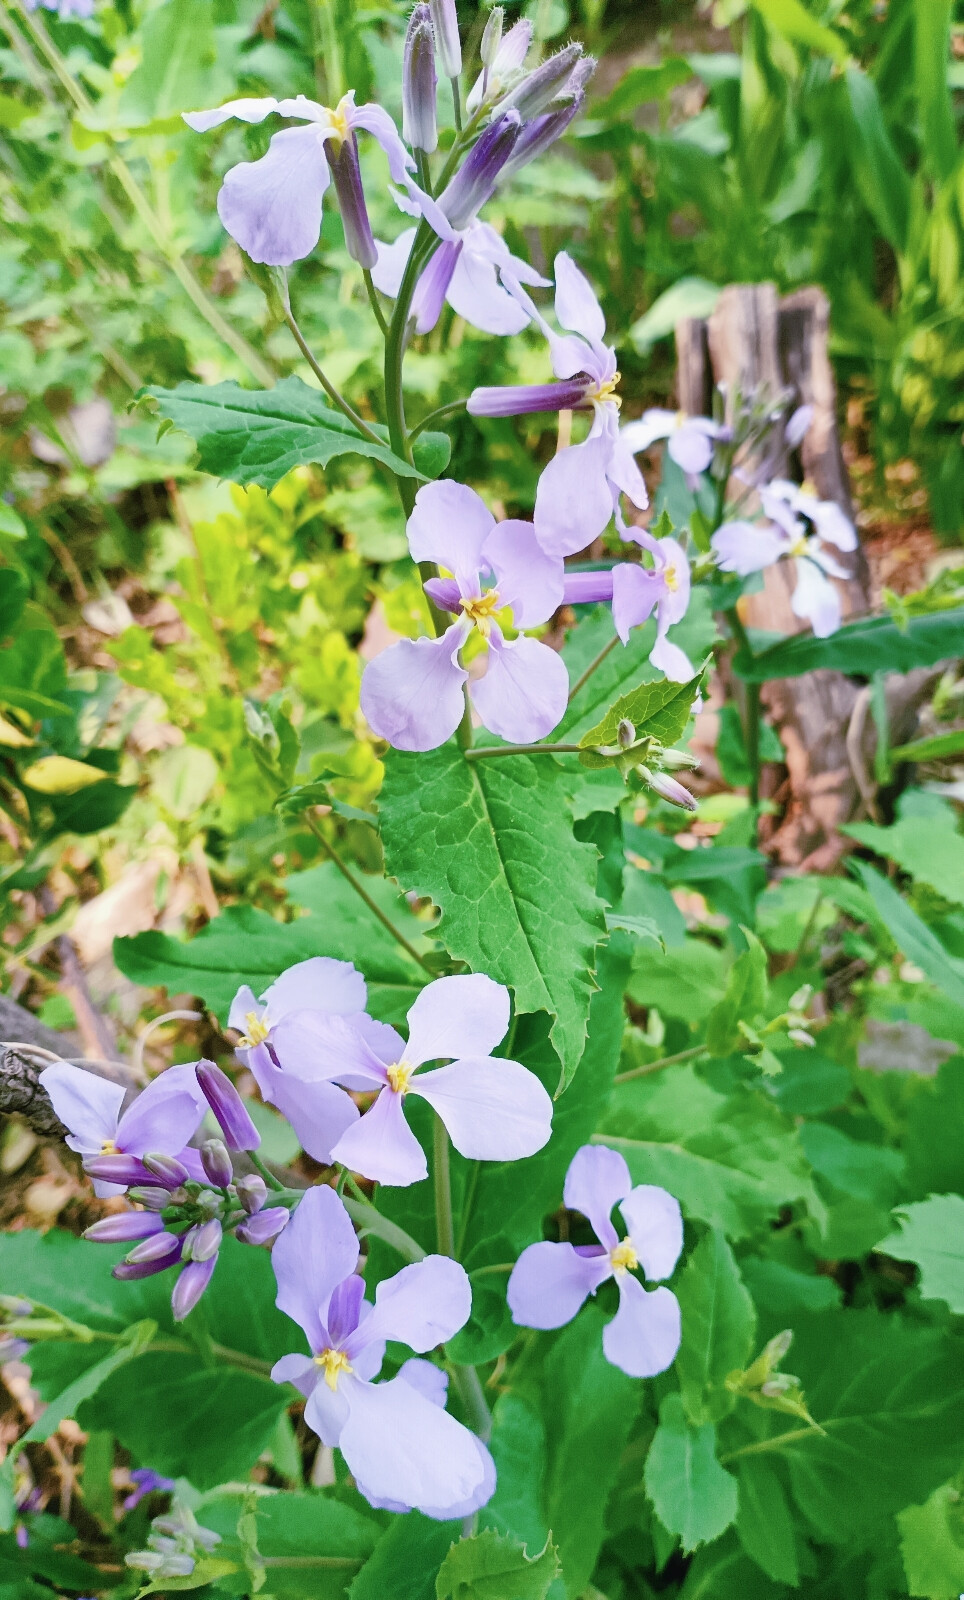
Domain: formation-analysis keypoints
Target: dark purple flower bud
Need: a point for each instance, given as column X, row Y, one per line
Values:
column 516, row 400
column 239, row 1131
column 157, row 1248
column 670, row 790
column 153, row 1198
column 127, row 1270
column 252, row 1193
column 191, row 1284
column 476, row 179
column 216, row 1163
column 541, row 132
column 446, row 22
column 445, row 592
column 419, row 83
column 586, row 588
column 540, row 86
column 265, row 1227
column 117, row 1169
column 346, row 176
column 128, row 1225
column 147, row 1481
column 167, row 1170
column 205, row 1241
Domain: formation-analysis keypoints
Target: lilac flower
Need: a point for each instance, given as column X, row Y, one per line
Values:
column 233, row 1117
column 744, row 547
column 318, row 1112
column 496, row 80
column 412, row 693
column 494, row 1110
column 65, row 9
column 162, row 1118
column 665, row 588
column 403, row 1449
column 689, row 440
column 474, row 183
column 580, row 488
column 550, row 1282
column 798, row 426
column 146, row 1481
column 464, row 271
column 272, row 207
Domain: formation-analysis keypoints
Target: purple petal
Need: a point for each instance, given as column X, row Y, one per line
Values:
column 265, row 1226
column 690, row 448
column 576, row 305
column 625, row 474
column 85, row 1103
column 644, row 1335
column 422, row 1306
column 382, row 1146
column 798, row 426
column 494, row 1110
column 445, row 593
column 745, row 547
column 672, row 662
column 191, row 1283
column 431, row 1382
column 245, row 1003
column 316, row 1048
column 673, row 569
column 574, row 501
column 297, row 1369
column 327, row 1412
column 319, row 984
column 402, row 1448
column 454, row 1015
column 411, row 694
column 550, row 1282
column 487, row 245
column 246, row 110
column 598, row 1178
column 316, row 1252
column 655, row 1225
column 272, row 207
column 652, row 425
column 476, row 294
column 777, row 500
column 379, row 124
column 518, row 400
column 815, row 599
column 635, row 593
column 433, row 285
column 829, row 521
column 450, row 524
column 318, row 1111
column 163, row 1118
column 524, row 692
column 344, row 1309
column 587, row 588
column 389, row 270
column 527, row 579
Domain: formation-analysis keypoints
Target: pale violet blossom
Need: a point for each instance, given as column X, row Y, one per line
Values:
column 689, row 440
column 744, row 547
column 465, row 271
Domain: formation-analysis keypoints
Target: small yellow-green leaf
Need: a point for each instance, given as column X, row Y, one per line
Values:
column 13, row 737
column 61, row 775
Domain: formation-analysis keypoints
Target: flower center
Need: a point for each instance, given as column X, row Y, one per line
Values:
column 481, row 611
column 333, row 1363
column 257, row 1033
column 339, row 122
column 606, row 392
column 109, row 1148
column 799, row 546
column 398, row 1075
column 671, row 579
column 624, row 1257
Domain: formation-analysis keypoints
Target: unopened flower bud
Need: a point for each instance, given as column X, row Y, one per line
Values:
column 265, row 1227
column 216, row 1163
column 542, row 85
column 475, row 181
column 678, row 760
column 625, row 733
column 120, row 1169
column 127, row 1270
column 419, row 83
column 801, row 997
column 779, row 1346
column 126, row 1226
column 668, row 789
column 778, row 1385
column 252, row 1193
column 167, row 1170
column 177, row 1565
column 191, row 1284
column 151, row 1196
column 801, row 1036
column 346, row 176
column 144, row 1560
column 158, row 1247
column 206, row 1241
column 239, row 1131
column 492, row 36
column 447, row 41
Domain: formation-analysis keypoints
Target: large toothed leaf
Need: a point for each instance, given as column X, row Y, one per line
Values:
column 491, row 843
column 257, row 435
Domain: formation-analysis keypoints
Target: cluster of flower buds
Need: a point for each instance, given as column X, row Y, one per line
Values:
column 643, row 763
column 769, row 1388
column 185, row 1216
column 176, row 1544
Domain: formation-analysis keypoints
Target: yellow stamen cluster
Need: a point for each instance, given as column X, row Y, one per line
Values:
column 624, row 1257
column 333, row 1363
column 109, row 1148
column 398, row 1075
column 799, row 546
column 339, row 122
column 481, row 611
column 257, row 1033
column 607, row 391
column 671, row 579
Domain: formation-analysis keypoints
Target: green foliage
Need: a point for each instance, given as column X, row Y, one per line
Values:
column 693, row 1496
column 491, row 1566
column 872, row 644
column 719, row 1323
column 931, row 1234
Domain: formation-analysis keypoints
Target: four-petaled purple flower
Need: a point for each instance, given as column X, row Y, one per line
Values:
column 550, row 1282
column 689, row 440
column 494, row 1109
column 579, row 490
column 403, row 1449
column 272, row 207
column 162, row 1119
column 663, row 587
column 464, row 271
column 318, row 1111
column 411, row 694
column 744, row 547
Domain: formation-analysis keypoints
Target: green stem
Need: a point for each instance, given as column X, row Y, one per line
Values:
column 330, row 49
column 482, row 751
column 376, row 304
column 444, row 1225
column 438, row 415
column 751, row 709
column 369, row 1218
column 664, row 1061
column 596, row 662
column 318, row 1563
column 464, row 731
column 394, row 357
column 266, row 1173
column 457, row 103
column 472, row 1396
column 329, row 388
column 762, row 1446
column 424, row 170
column 363, row 894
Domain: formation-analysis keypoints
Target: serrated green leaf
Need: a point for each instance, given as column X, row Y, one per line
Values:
column 258, row 435
column 658, row 710
column 491, row 844
column 719, row 1327
column 933, row 1557
column 494, row 1566
column 693, row 1496
column 931, row 1234
column 747, row 989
